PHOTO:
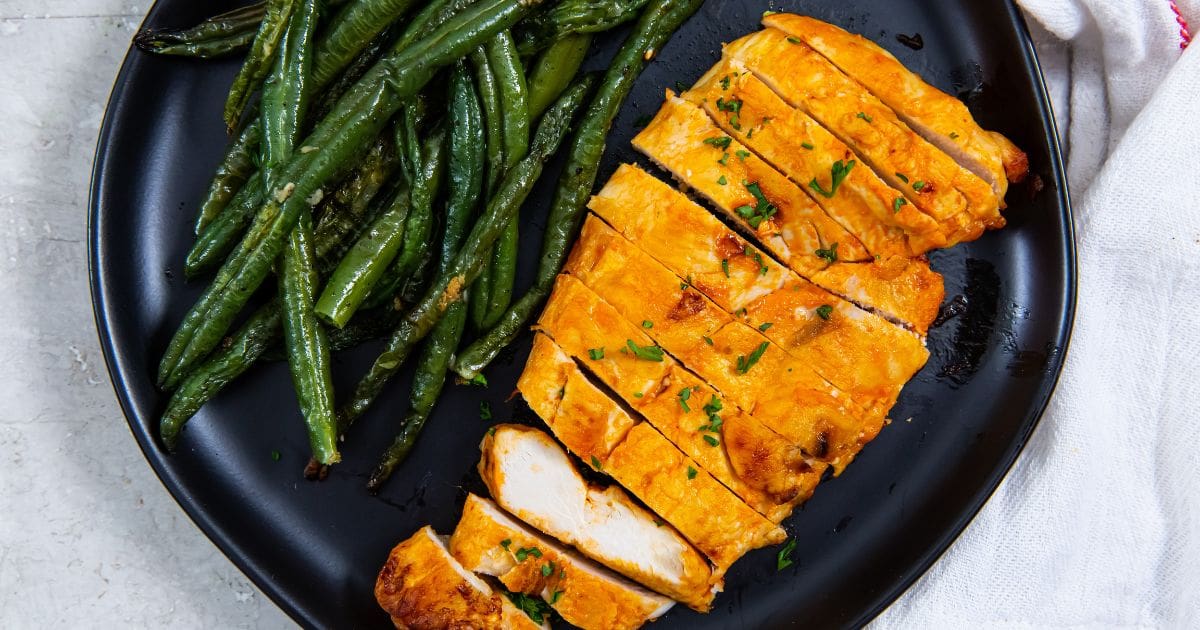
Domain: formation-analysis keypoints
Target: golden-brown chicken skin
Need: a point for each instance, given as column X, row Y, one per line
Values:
column 905, row 290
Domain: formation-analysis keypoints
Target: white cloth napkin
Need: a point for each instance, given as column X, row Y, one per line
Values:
column 1098, row 525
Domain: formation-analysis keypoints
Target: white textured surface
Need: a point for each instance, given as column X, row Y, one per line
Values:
column 88, row 536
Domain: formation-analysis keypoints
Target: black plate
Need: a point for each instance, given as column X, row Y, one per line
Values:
column 315, row 548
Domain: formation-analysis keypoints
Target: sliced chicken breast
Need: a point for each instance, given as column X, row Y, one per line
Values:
column 939, row 117
column 882, row 218
column 903, row 290
column 683, row 140
column 858, row 352
column 650, row 467
column 762, row 467
column 802, row 407
column 531, row 477
column 421, row 586
column 691, row 242
column 941, row 188
column 489, row 541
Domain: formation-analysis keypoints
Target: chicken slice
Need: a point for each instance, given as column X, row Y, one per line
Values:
column 683, row 140
column 760, row 466
column 421, row 586
column 939, row 117
column 489, row 541
column 691, row 242
column 881, row 217
column 941, row 188
column 650, row 467
column 818, row 418
column 531, row 477
column 857, row 351
column 903, row 290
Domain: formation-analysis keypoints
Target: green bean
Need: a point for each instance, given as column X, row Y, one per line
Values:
column 259, row 60
column 574, row 16
column 656, row 25
column 503, row 274
column 493, row 118
column 555, row 68
column 306, row 343
column 358, row 117
column 220, row 236
column 351, row 29
column 357, row 200
column 449, row 286
column 331, row 92
column 514, row 96
column 370, row 256
column 235, row 168
column 222, row 34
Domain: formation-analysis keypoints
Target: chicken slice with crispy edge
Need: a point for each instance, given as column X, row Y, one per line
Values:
column 673, row 485
column 685, row 142
column 798, row 405
column 688, row 240
column 858, row 352
column 532, row 478
column 762, row 467
column 586, row 595
column 802, row 77
column 421, row 586
column 881, row 217
column 939, row 117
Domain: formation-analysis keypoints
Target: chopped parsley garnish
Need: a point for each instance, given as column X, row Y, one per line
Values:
column 762, row 210
column 824, row 311
column 647, row 323
column 807, row 145
column 684, row 395
column 596, row 463
column 554, row 597
column 918, row 186
column 711, row 441
column 864, row 116
column 838, row 172
column 784, row 559
column 900, row 201
column 275, row 455
column 902, row 177
column 536, row 608
column 714, row 423
column 742, row 155
column 485, row 411
column 725, row 266
column 724, row 159
column 721, row 142
column 492, row 430
column 734, row 107
column 596, row 354
column 691, row 472
column 765, row 326
column 749, row 134
column 725, row 82
column 506, row 542
column 708, row 340
column 547, row 569
column 722, row 181
column 828, row 254
column 794, row 40
column 638, row 394
column 646, row 353
column 744, row 363
column 762, row 267
column 524, row 552
column 954, row 135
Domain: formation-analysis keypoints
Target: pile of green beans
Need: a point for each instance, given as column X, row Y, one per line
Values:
column 379, row 179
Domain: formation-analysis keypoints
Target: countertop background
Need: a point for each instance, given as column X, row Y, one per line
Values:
column 88, row 536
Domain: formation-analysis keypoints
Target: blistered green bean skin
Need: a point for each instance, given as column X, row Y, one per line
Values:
column 220, row 35
column 659, row 21
column 575, row 16
column 554, row 70
column 259, row 60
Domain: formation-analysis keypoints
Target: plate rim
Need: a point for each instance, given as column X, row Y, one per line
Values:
column 244, row 561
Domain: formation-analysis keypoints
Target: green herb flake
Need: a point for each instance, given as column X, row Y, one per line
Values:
column 918, row 186
column 647, row 323
column 708, row 340
column 596, row 354
column 638, row 394
column 711, row 441
column 275, row 455
column 684, row 395
column 646, row 353
column 691, row 472
column 864, row 116
column 902, row 177
column 954, row 135
column 722, row 181
column 533, row 607
column 742, row 155
column 765, row 326
column 762, row 209
column 807, row 145
column 784, row 559
column 757, row 257
column 554, row 597
column 596, row 463
column 485, row 411
column 506, row 542
column 725, row 266
column 547, row 569
column 828, row 254
column 721, row 142
column 744, row 363
column 897, row 203
column 725, row 82
column 837, row 174
column 824, row 311
column 724, row 159
column 794, row 40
